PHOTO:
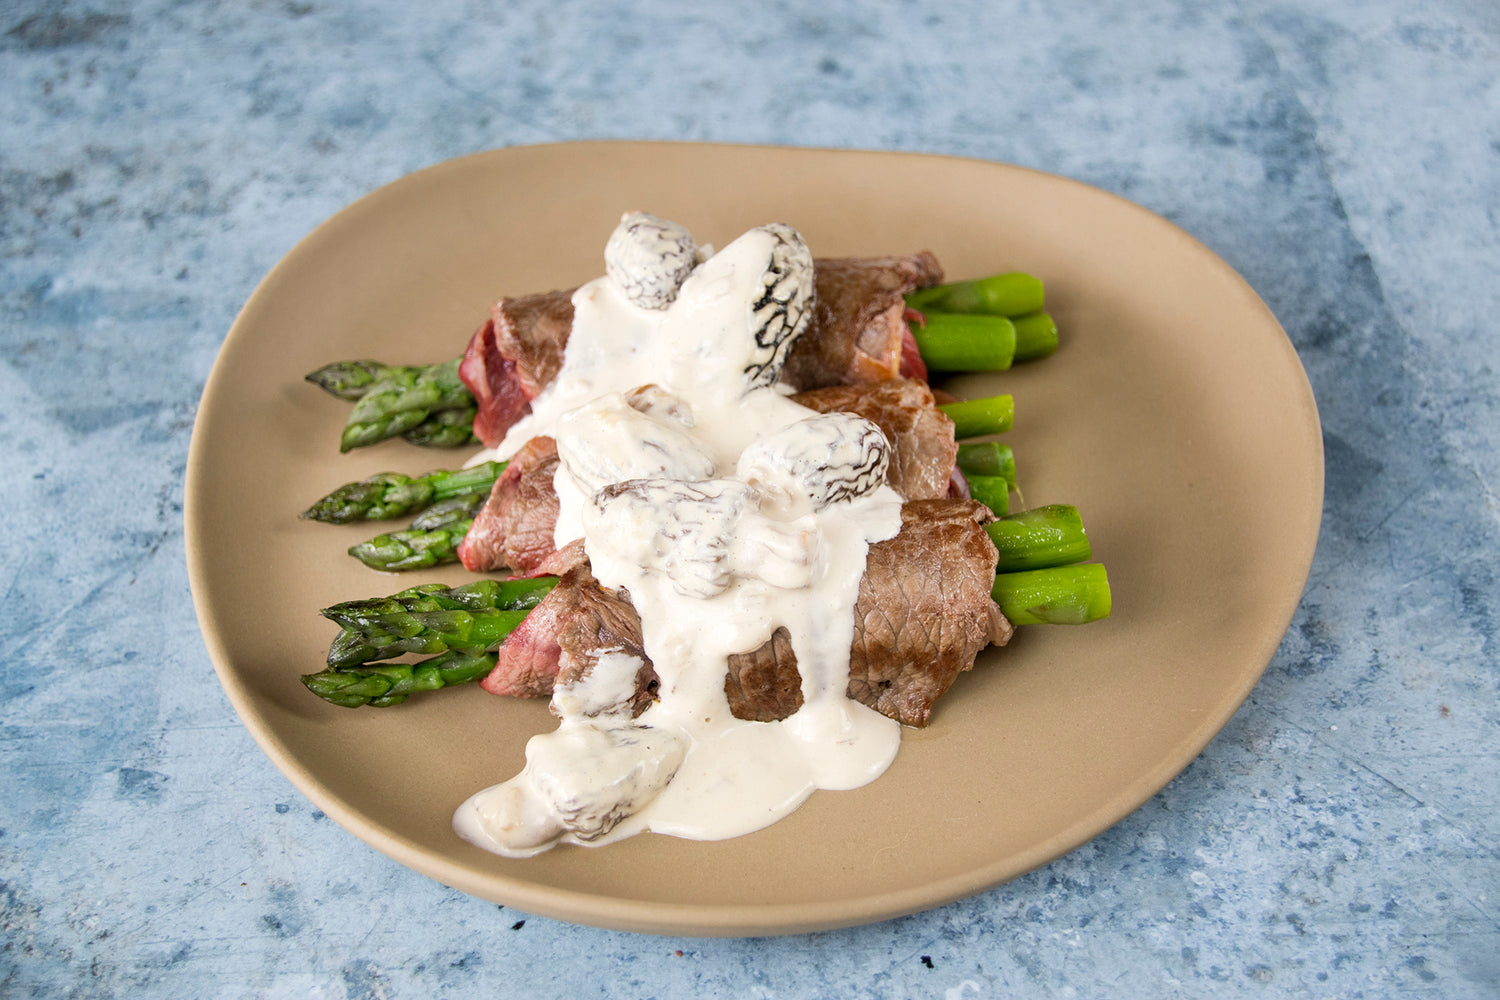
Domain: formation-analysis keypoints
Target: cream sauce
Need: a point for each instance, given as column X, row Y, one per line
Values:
column 715, row 557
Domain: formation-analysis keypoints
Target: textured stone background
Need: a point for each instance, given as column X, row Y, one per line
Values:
column 1338, row 839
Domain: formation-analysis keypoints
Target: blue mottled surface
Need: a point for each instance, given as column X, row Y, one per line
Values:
column 1338, row 839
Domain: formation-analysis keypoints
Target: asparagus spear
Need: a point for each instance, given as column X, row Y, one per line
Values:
column 432, row 539
column 351, row 379
column 988, row 458
column 402, row 400
column 1036, row 336
column 950, row 342
column 390, row 494
column 992, row 491
column 1014, row 294
column 432, row 619
column 1057, row 595
column 1040, row 537
column 385, row 684
column 976, row 417
column 445, row 429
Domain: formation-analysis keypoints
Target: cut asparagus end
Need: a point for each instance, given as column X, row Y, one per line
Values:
column 992, row 491
column 977, row 417
column 949, row 342
column 1059, row 595
column 988, row 458
column 1036, row 336
column 1012, row 294
column 1039, row 538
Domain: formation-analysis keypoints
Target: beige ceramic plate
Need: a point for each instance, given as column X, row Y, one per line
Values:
column 1175, row 416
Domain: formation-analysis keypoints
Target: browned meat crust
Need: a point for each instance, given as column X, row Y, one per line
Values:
column 924, row 612
column 923, row 448
column 858, row 328
column 514, row 528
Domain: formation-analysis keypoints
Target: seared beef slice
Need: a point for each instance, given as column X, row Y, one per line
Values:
column 924, row 612
column 561, row 640
column 858, row 327
column 513, row 356
column 514, row 528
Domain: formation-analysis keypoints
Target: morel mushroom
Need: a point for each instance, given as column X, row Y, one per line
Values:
column 650, row 258
column 642, row 433
column 815, row 462
column 783, row 311
column 702, row 535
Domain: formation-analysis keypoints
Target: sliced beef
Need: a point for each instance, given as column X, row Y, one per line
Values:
column 561, row 639
column 924, row 612
column 514, row 528
column 513, row 356
column 923, row 449
column 593, row 620
column 859, row 332
column 526, row 663
column 763, row 685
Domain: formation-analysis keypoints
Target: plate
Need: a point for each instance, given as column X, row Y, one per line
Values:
column 1176, row 417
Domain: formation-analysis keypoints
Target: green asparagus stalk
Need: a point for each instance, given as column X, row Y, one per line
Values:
column 950, row 342
column 1038, row 538
column 351, row 379
column 992, row 491
column 517, row 594
column 1058, row 595
column 390, row 494
column 1036, row 336
column 988, row 458
column 431, row 540
column 445, row 429
column 383, row 684
column 432, row 619
column 1013, row 294
column 402, row 400
column 398, row 551
column 977, row 417
column 447, row 513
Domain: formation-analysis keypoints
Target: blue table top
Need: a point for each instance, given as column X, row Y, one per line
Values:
column 1337, row 839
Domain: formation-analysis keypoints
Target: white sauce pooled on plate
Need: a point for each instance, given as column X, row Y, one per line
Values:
column 725, row 510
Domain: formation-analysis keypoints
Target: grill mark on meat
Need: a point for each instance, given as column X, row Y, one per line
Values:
column 857, row 334
column 924, row 612
column 514, row 528
column 923, row 449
